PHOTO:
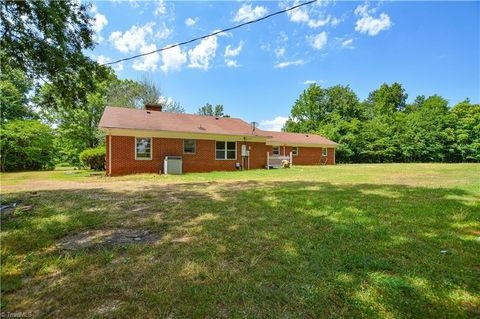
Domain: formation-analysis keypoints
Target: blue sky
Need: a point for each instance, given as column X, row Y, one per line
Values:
column 258, row 71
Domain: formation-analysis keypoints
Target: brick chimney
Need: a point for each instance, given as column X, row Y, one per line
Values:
column 153, row 107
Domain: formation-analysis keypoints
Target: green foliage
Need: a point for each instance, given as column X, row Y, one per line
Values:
column 77, row 124
column 47, row 39
column 124, row 93
column 26, row 145
column 210, row 110
column 173, row 107
column 466, row 130
column 386, row 129
column 388, row 99
column 93, row 158
column 14, row 99
column 129, row 93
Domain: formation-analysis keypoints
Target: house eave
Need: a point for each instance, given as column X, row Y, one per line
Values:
column 292, row 144
column 114, row 131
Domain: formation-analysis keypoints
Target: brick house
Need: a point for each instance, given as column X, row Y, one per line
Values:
column 137, row 141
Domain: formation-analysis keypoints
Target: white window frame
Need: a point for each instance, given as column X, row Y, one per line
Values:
column 324, row 151
column 296, row 149
column 226, row 151
column 194, row 147
column 273, row 150
column 151, row 148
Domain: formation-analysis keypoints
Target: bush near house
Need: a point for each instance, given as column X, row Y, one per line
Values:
column 93, row 158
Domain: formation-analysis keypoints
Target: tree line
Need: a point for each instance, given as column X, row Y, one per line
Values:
column 385, row 128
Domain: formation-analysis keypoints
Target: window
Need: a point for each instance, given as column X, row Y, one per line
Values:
column 276, row 150
column 189, row 146
column 143, row 148
column 294, row 151
column 225, row 150
column 324, row 152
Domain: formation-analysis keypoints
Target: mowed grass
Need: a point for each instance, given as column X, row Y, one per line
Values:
column 359, row 241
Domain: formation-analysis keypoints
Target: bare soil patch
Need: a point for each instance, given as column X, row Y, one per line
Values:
column 103, row 237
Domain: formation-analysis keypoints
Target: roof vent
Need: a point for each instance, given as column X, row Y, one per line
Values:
column 306, row 135
column 216, row 117
column 148, row 112
column 153, row 107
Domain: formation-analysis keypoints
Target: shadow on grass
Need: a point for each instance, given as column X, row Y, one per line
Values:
column 250, row 249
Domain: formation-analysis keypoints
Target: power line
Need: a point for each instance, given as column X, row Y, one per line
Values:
column 212, row 34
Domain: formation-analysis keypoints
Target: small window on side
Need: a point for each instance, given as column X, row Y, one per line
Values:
column 143, row 148
column 189, row 146
column 295, row 151
column 276, row 150
column 324, row 152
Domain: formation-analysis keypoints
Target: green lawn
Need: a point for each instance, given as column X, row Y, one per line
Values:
column 359, row 241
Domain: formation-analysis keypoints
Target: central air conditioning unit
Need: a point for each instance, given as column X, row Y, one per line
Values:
column 172, row 165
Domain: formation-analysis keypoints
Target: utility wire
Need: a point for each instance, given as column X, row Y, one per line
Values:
column 212, row 34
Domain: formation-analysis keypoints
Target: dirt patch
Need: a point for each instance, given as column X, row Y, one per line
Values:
column 107, row 308
column 104, row 237
column 183, row 239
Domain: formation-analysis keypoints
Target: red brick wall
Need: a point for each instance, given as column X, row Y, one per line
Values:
column 124, row 162
column 307, row 155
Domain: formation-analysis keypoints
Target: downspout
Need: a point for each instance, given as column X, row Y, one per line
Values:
column 334, row 150
column 109, row 153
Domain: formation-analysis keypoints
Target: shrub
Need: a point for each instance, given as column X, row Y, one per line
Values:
column 26, row 145
column 93, row 158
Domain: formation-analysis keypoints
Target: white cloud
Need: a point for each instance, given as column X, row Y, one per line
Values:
column 247, row 13
column 173, row 59
column 118, row 67
column 148, row 62
column 312, row 23
column 335, row 21
column 134, row 3
column 99, row 23
column 369, row 24
column 164, row 100
column 347, row 44
column 132, row 39
column 201, row 55
column 164, row 32
column 160, row 8
column 305, row 15
column 363, row 10
column 282, row 65
column 319, row 41
column 231, row 52
column 282, row 37
column 372, row 26
column 298, row 15
column 308, row 82
column 279, row 52
column 232, row 63
column 275, row 124
column 101, row 59
column 189, row 22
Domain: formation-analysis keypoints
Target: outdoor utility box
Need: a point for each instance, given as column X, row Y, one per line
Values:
column 172, row 165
